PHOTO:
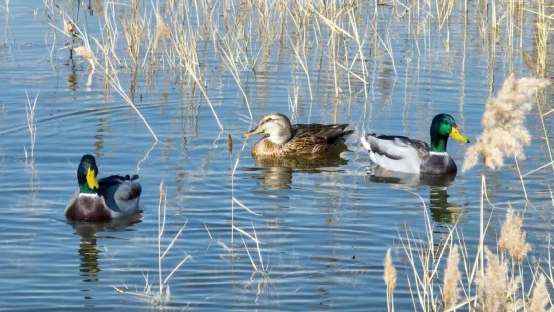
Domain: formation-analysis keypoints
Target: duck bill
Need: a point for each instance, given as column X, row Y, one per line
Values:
column 91, row 179
column 253, row 132
column 458, row 136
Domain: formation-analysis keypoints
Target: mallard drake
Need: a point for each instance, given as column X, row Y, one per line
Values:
column 402, row 154
column 284, row 140
column 104, row 199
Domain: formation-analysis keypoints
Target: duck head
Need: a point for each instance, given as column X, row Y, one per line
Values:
column 276, row 126
column 86, row 175
column 444, row 126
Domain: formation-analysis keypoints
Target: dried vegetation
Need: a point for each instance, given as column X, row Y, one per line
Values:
column 350, row 41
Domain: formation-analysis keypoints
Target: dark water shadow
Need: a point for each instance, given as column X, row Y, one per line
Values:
column 442, row 211
column 276, row 174
column 89, row 232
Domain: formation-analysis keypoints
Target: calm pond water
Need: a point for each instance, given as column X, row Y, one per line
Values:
column 325, row 227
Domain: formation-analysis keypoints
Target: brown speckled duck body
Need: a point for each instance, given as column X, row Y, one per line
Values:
column 284, row 140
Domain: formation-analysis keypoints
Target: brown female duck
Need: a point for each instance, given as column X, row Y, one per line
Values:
column 284, row 140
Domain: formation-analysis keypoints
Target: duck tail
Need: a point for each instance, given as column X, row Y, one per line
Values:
column 346, row 134
column 364, row 139
column 365, row 143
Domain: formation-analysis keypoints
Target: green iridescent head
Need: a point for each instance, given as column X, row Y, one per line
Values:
column 442, row 127
column 86, row 175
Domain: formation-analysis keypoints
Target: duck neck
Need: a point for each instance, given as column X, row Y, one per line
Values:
column 281, row 137
column 438, row 143
column 85, row 189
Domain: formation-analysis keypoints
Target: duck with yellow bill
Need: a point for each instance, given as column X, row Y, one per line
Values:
column 104, row 199
column 403, row 154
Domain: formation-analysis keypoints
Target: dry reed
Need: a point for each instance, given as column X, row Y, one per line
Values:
column 390, row 273
column 451, row 291
column 512, row 238
column 540, row 298
column 162, row 295
column 69, row 27
column 84, row 52
column 390, row 280
column 162, row 29
column 493, row 285
column 497, row 287
column 339, row 28
column 31, row 125
column 504, row 132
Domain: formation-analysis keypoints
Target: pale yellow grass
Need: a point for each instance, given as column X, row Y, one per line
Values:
column 504, row 132
column 84, row 52
column 451, row 291
column 512, row 238
column 390, row 280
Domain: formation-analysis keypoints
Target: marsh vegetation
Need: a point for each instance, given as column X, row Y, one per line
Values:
column 167, row 88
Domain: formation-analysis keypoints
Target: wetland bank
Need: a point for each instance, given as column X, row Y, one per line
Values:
column 158, row 88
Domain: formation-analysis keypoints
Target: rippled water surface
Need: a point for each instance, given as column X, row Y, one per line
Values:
column 324, row 227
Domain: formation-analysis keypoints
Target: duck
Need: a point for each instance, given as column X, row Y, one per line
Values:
column 283, row 140
column 403, row 154
column 104, row 199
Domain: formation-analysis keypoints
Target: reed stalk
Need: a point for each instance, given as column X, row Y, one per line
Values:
column 31, row 125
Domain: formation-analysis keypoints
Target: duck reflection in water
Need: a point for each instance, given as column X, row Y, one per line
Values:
column 441, row 210
column 276, row 173
column 88, row 247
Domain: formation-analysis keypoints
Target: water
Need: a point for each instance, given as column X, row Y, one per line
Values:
column 324, row 227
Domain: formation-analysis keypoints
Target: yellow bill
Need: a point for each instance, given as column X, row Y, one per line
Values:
column 458, row 136
column 253, row 132
column 91, row 179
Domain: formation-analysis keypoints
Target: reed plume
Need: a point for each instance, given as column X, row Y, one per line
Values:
column 69, row 27
column 512, row 238
column 390, row 280
column 540, row 297
column 493, row 285
column 99, row 8
column 504, row 132
column 390, row 273
column 84, row 52
column 163, row 30
column 451, row 291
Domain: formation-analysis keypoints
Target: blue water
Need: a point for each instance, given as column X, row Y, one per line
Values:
column 324, row 229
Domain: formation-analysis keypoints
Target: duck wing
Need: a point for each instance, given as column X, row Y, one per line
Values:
column 322, row 134
column 121, row 193
column 396, row 153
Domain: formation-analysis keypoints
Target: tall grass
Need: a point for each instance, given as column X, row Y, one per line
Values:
column 149, row 36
